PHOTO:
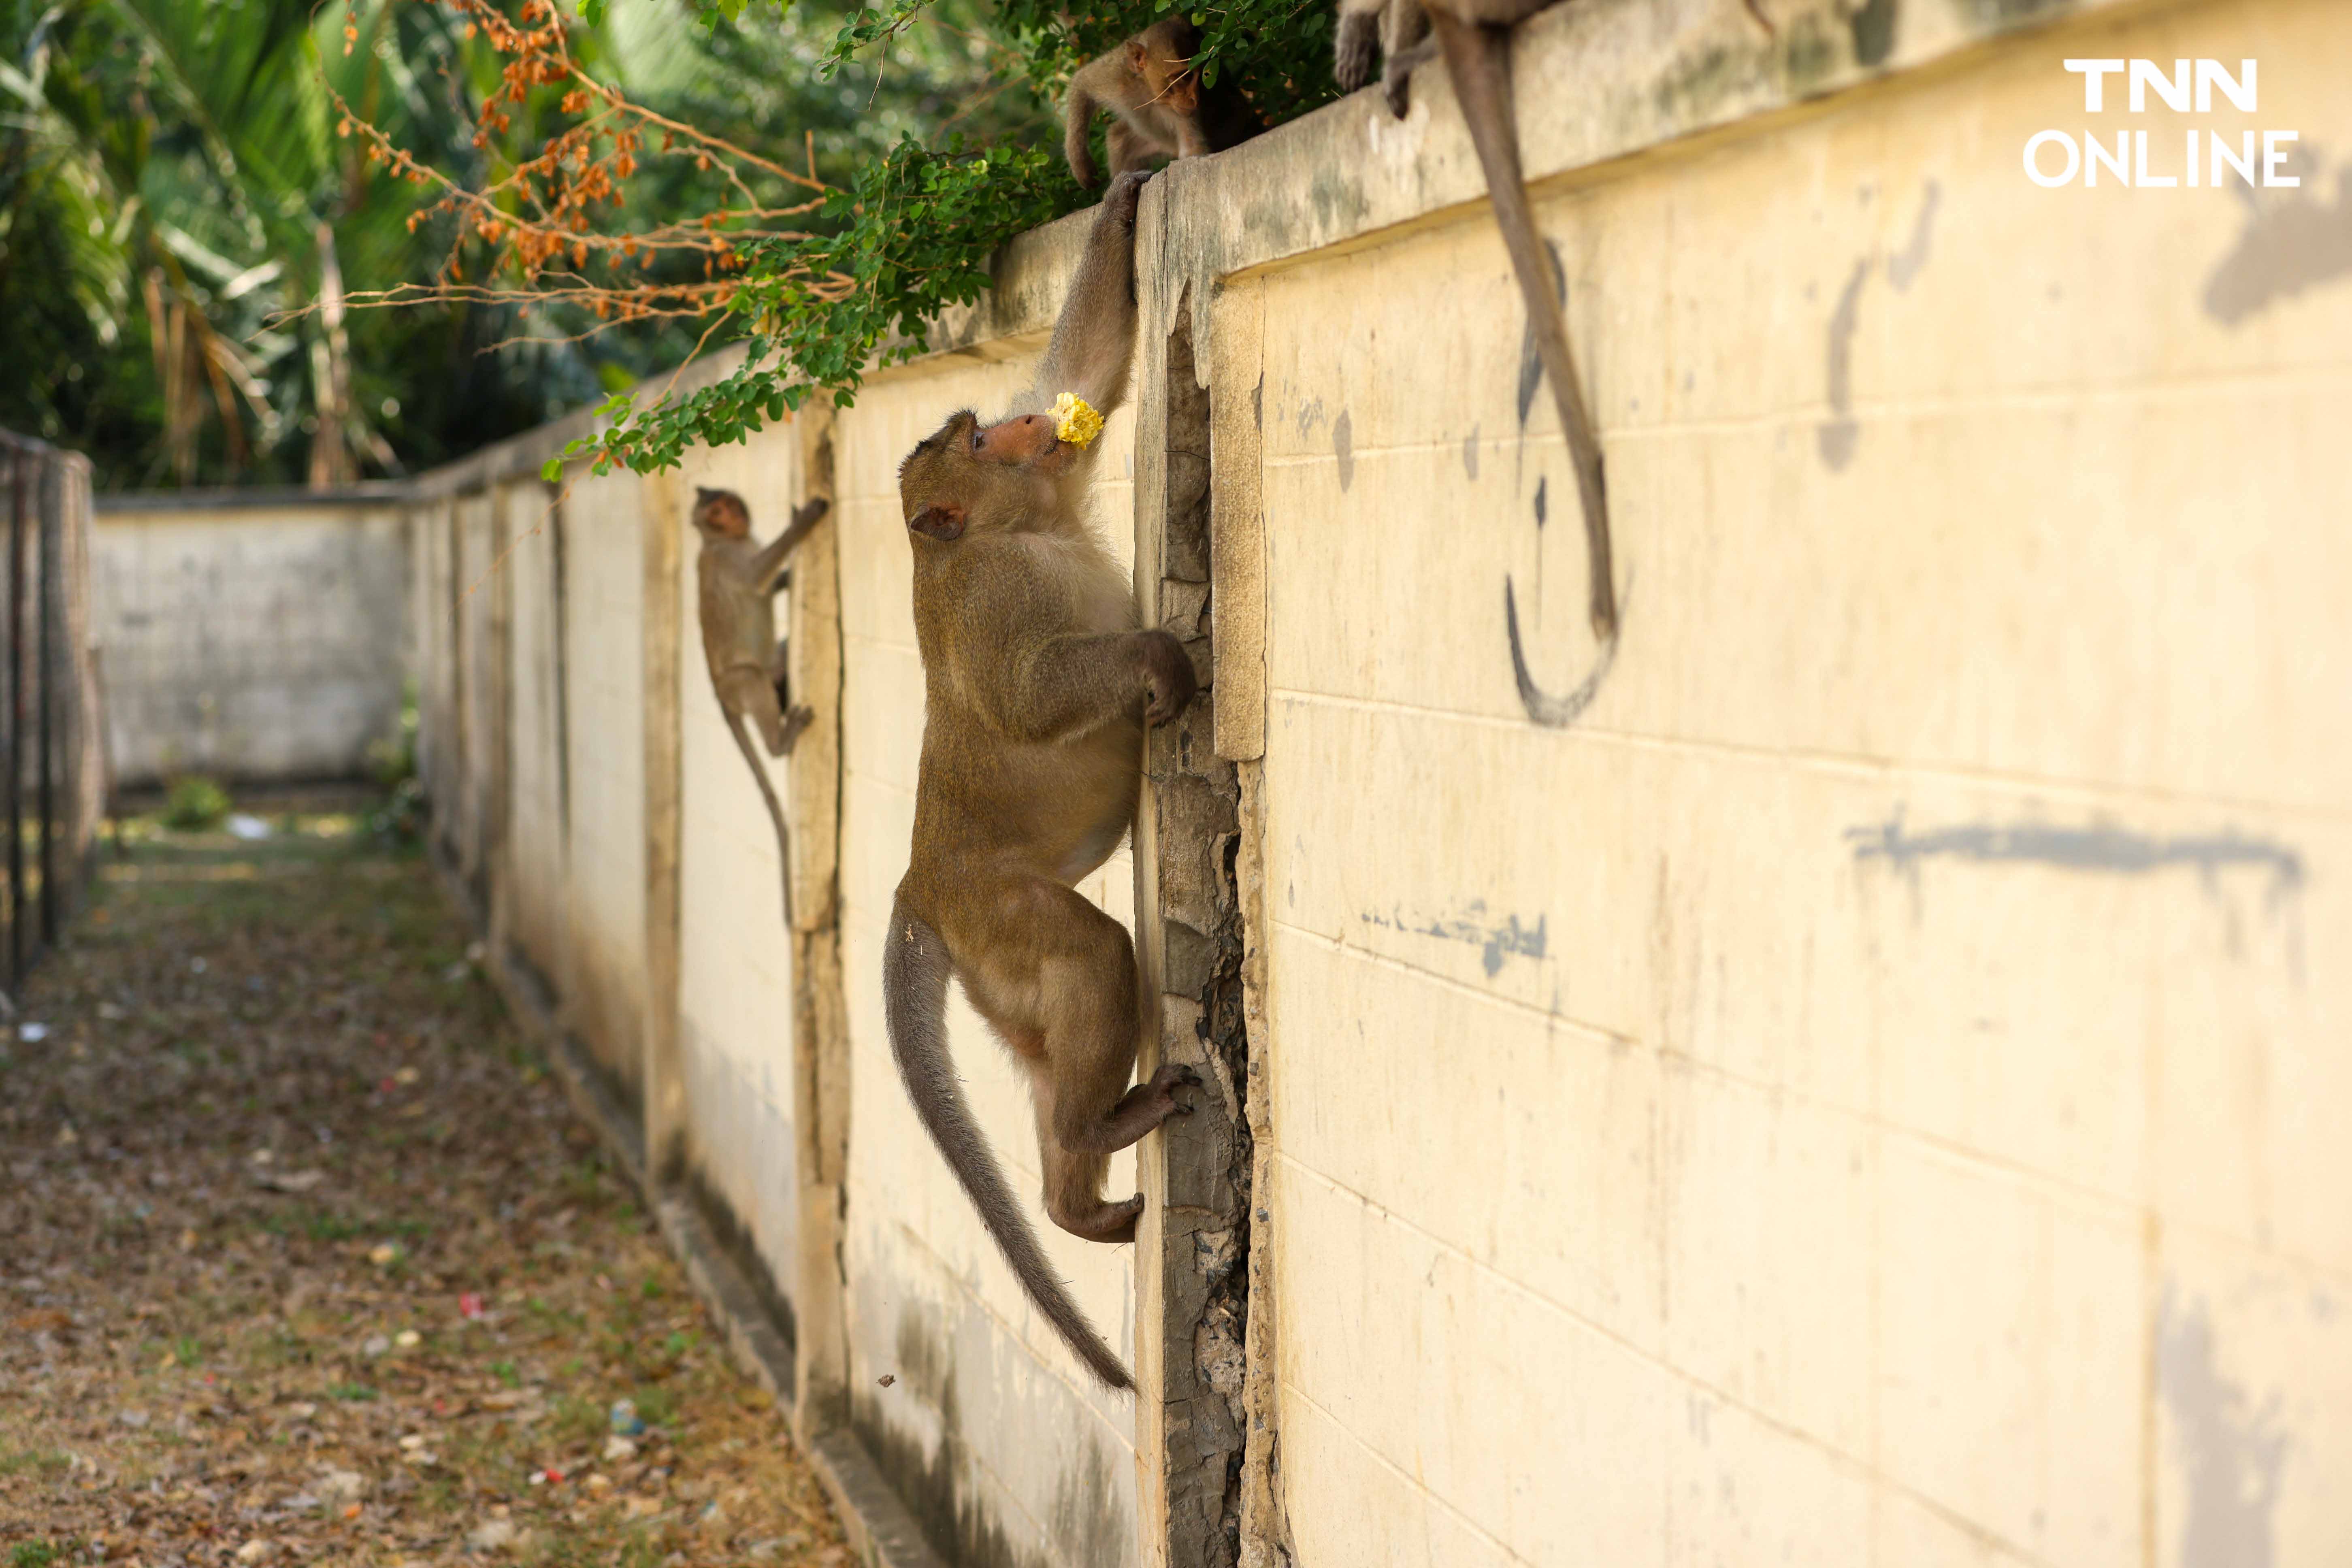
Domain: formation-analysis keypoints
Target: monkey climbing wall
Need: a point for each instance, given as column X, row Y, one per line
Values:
column 1865, row 1091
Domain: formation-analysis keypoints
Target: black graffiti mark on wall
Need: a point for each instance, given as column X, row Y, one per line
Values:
column 1552, row 712
column 1495, row 942
column 1906, row 264
column 1839, row 434
column 2113, row 849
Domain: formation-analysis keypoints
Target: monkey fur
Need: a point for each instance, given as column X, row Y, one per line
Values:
column 1158, row 104
column 1037, row 687
column 736, row 578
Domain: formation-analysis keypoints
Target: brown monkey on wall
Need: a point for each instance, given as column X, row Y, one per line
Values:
column 737, row 579
column 1159, row 103
column 1037, row 686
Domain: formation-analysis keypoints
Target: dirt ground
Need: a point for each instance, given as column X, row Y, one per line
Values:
column 304, row 1259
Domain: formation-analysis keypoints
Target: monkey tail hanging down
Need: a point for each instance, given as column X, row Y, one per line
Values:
column 1037, row 686
column 737, row 579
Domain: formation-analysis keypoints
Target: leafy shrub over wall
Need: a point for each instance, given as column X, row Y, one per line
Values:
column 915, row 232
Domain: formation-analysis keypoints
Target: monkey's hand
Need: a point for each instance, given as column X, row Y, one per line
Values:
column 1352, row 51
column 1119, row 207
column 1167, row 675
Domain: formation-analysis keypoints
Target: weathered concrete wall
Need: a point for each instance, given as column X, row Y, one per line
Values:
column 1857, row 1096
column 1863, row 1092
column 258, row 640
column 735, row 975
column 604, row 694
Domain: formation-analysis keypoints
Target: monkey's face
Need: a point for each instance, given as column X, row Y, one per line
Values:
column 722, row 513
column 969, row 476
column 1173, row 84
column 1181, row 89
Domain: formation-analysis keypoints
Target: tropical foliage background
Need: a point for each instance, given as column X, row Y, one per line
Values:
column 191, row 235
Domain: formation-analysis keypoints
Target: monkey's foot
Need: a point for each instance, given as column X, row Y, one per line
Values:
column 1167, row 1081
column 1111, row 1223
column 1397, row 87
column 798, row 720
column 1351, row 53
column 1154, row 1101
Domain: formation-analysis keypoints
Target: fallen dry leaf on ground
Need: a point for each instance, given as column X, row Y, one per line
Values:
column 304, row 1259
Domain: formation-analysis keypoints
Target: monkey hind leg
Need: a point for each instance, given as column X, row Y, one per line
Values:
column 755, row 694
column 1074, row 1179
column 1352, row 49
column 795, row 719
column 1396, row 75
column 916, row 964
column 1064, row 992
column 1075, row 1150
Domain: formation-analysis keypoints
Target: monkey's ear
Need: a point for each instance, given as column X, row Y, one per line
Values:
column 1136, row 54
column 939, row 522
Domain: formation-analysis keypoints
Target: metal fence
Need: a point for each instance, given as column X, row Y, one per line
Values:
column 52, row 757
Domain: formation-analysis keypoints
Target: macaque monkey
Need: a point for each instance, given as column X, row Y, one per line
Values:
column 1158, row 104
column 1474, row 36
column 737, row 578
column 1037, row 686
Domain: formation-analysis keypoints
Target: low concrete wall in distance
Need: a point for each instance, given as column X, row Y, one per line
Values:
column 252, row 636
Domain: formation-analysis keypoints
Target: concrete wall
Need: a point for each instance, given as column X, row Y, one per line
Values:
column 251, row 637
column 1856, row 1096
column 1861, row 1092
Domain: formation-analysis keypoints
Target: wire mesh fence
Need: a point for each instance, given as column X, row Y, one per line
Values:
column 52, row 752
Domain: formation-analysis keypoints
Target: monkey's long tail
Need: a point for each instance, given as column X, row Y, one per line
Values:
column 775, row 807
column 914, row 969
column 1478, row 57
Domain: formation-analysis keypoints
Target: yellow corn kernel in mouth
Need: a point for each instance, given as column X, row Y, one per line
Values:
column 1075, row 420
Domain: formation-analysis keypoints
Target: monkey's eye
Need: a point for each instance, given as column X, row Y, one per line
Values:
column 975, row 437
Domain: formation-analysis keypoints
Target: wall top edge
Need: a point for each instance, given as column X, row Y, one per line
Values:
column 1596, row 81
column 373, row 494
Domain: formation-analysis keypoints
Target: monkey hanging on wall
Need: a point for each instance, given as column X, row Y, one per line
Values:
column 737, row 579
column 1037, row 686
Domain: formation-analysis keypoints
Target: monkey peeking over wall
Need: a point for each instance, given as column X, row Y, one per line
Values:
column 1037, row 686
column 737, row 579
column 1159, row 106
